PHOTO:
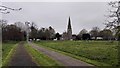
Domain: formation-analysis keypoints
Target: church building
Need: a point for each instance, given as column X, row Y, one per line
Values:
column 68, row 35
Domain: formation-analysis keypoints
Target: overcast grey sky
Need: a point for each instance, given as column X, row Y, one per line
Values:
column 83, row 14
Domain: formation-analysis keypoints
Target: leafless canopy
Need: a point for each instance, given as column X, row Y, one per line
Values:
column 114, row 16
column 113, row 21
column 6, row 10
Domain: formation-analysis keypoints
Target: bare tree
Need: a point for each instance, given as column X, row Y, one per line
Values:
column 113, row 21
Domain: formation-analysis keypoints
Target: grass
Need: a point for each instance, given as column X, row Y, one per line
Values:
column 8, row 49
column 40, row 58
column 99, row 53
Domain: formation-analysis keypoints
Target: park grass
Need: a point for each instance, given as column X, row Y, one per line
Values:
column 8, row 49
column 98, row 53
column 40, row 58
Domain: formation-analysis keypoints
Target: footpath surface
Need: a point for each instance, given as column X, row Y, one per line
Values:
column 21, row 57
column 65, row 60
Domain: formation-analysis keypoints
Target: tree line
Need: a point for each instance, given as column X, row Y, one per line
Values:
column 17, row 32
column 96, row 33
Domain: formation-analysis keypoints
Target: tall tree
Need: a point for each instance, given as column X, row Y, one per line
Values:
column 52, row 33
column 41, row 34
column 95, row 32
column 20, row 25
column 113, row 21
column 106, row 34
column 12, row 32
column 47, row 34
column 83, row 31
column 3, row 24
column 34, row 31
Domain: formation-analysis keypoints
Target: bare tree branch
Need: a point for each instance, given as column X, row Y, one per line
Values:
column 4, row 9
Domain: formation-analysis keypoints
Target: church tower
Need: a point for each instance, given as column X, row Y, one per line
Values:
column 69, row 30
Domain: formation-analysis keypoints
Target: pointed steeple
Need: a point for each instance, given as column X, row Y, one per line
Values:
column 69, row 23
column 69, row 30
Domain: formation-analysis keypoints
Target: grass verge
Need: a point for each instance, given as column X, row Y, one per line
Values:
column 93, row 62
column 40, row 58
column 9, row 55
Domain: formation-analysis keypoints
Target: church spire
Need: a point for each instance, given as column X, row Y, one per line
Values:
column 69, row 23
column 69, row 30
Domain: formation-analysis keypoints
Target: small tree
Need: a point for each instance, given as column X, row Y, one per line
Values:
column 58, row 36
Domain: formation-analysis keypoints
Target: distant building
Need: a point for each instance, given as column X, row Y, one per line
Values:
column 64, row 36
column 98, row 38
column 68, row 35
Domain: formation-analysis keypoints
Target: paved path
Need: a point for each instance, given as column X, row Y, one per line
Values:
column 66, row 60
column 21, row 57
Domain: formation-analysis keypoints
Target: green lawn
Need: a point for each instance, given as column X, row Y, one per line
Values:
column 40, row 58
column 99, row 53
column 7, row 49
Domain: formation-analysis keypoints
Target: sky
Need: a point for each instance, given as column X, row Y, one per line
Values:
column 84, row 15
column 57, row 0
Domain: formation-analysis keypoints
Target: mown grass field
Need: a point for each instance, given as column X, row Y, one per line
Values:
column 99, row 53
column 7, row 50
